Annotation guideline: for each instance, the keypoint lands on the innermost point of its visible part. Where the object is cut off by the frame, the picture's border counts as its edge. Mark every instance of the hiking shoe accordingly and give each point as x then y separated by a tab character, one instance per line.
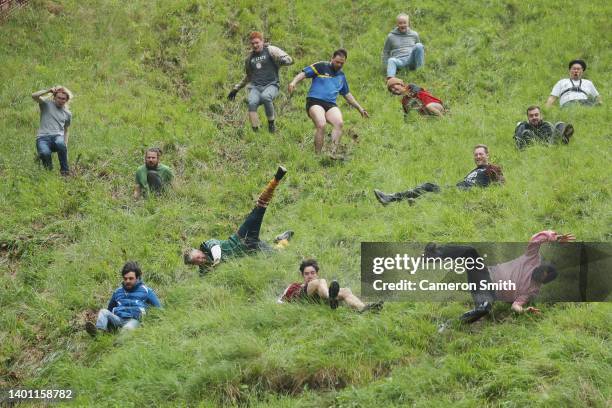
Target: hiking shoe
91	329
280	173
334	289
373	307
382	198
567	133
476	314
271	127
285	235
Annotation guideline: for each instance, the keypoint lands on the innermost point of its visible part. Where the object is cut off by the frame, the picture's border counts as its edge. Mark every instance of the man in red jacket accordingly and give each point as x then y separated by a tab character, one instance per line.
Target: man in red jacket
415	97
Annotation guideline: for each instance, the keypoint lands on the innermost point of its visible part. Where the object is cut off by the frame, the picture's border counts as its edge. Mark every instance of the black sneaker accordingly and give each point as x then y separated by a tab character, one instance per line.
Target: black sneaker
567	133
91	329
382	198
334	289
280	173
373	307
271	127
476	314
285	235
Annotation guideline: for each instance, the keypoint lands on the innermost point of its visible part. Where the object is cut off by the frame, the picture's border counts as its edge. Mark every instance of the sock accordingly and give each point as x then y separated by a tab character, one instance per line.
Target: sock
266	195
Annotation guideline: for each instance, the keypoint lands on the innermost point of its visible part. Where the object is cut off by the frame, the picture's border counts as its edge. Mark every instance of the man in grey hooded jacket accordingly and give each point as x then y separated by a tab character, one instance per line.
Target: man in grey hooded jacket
403	48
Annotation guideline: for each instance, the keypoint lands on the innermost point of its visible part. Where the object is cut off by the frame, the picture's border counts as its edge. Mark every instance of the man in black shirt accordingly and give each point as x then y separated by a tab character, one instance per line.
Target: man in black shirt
537	129
483	175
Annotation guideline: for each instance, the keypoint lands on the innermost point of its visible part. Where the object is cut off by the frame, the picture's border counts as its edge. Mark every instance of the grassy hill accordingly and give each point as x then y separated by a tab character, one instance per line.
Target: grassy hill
157	73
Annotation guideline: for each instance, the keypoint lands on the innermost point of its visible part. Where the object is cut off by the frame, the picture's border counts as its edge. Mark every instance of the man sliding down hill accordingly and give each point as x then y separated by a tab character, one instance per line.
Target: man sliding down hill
315	289
245	240
527	272
328	81
127	305
415	97
483	175
261	75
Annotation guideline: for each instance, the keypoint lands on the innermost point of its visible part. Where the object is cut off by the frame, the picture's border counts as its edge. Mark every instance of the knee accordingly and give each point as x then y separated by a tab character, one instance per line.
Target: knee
60	146
419	47
344	293
253	105
266	98
320	125
103	313
339	125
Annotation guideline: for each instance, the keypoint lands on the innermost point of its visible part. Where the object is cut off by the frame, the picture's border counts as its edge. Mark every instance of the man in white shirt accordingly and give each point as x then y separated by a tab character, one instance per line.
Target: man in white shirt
574	89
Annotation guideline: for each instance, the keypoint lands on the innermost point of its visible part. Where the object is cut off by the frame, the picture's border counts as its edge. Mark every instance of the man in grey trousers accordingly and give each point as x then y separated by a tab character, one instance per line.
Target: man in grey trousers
261	75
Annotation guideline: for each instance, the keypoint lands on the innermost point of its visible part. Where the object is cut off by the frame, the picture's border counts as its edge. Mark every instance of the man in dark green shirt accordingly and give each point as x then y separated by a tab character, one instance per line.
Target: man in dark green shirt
537	129
243	241
152	176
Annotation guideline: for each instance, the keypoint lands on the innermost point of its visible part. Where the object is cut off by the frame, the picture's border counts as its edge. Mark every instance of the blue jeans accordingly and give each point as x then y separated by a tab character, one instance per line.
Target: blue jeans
415	60
108	321
45	145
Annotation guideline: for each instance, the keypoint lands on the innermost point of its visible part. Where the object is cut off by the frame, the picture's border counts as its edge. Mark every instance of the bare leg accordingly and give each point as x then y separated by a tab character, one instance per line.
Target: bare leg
254	119
353	301
317	114
435	108
334	116
318	287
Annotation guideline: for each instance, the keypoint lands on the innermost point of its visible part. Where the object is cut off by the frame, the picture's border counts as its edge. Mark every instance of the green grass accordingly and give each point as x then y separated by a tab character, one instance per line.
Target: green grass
157	73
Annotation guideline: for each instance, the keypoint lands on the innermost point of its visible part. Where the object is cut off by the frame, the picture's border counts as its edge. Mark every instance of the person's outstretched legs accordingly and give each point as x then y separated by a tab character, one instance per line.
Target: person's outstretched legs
483	299
409	195
249	230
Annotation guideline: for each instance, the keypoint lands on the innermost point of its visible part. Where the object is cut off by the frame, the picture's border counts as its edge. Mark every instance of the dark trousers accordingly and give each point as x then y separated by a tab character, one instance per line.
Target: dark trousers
249	230
418	191
45	145
154	181
474	274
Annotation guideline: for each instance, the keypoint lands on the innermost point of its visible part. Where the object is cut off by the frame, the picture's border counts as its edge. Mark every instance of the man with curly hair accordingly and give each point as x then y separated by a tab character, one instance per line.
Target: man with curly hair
482	176
55	118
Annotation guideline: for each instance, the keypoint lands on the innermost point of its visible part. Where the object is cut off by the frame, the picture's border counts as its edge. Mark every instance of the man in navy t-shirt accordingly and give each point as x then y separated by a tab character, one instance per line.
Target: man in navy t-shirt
328	81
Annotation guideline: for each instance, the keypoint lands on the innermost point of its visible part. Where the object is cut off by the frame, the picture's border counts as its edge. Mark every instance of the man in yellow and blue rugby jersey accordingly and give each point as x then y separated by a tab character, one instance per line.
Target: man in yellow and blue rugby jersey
328	81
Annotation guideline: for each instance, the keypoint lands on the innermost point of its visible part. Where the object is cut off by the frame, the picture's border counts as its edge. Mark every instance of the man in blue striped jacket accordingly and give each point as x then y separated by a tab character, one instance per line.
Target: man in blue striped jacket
127	305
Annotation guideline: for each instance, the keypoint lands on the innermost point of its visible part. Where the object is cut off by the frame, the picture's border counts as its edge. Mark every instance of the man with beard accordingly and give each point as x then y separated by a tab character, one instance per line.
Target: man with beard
152	176
328	81
127	305
575	89
536	129
261	75
482	176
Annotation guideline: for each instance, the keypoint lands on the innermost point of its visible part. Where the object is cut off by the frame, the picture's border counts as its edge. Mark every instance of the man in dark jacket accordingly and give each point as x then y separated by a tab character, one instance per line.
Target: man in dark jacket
127	305
245	240
261	75
536	129
483	175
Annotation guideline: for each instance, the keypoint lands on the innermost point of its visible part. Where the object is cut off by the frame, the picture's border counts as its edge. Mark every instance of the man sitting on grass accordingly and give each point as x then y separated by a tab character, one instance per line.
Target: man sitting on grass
527	272
315	289
536	129
483	175
245	240
152	176
127	305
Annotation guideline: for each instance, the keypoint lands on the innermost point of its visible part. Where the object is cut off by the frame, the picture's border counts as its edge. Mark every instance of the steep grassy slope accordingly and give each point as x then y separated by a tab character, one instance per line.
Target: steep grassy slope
156	73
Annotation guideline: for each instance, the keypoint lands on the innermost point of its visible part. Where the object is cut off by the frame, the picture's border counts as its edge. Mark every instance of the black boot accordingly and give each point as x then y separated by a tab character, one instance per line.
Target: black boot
280	173
334	289
271	126
385	199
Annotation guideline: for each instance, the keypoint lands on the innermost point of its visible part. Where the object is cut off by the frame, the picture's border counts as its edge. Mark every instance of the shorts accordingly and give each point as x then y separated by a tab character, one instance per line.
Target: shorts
324	104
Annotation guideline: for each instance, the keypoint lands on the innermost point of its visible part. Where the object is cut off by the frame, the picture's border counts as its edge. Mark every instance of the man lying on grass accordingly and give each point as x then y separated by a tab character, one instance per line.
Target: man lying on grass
483	175
127	305
315	289
245	240
535	129
417	98
528	273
